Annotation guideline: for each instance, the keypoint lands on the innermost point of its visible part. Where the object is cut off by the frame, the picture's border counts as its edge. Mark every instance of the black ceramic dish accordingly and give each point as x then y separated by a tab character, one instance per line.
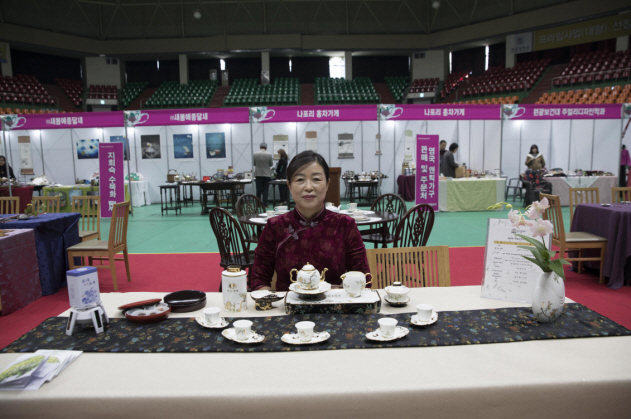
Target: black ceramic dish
185	301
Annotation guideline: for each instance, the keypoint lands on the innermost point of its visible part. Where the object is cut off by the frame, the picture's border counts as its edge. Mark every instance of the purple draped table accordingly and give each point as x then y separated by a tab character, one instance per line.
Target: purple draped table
25	193
613	223
19	272
406	187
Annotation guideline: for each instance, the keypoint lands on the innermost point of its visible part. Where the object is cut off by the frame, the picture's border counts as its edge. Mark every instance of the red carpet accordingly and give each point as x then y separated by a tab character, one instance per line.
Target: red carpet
201	271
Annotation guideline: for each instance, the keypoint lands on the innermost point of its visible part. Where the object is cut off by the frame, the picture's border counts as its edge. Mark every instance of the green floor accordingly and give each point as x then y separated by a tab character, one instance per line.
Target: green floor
190	232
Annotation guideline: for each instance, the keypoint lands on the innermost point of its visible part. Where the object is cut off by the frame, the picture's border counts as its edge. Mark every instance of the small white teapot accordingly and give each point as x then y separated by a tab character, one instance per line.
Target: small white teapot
355	283
331	207
398	292
308	278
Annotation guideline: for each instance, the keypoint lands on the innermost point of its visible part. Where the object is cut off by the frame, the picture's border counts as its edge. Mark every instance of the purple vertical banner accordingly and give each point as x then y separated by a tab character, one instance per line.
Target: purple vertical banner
427	170
111	177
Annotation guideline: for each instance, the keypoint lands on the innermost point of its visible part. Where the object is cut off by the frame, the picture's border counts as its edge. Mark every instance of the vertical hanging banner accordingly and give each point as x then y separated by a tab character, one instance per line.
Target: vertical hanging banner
427	158
111	177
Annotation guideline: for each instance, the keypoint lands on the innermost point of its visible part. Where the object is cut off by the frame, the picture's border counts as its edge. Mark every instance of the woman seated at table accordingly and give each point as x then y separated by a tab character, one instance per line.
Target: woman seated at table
535	160
5	170
309	233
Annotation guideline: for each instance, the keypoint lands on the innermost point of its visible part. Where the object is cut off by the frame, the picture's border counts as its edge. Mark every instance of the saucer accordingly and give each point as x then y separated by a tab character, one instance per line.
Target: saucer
360	219
230	335
265	215
397	303
259	220
399	332
201	320
416	322
294	339
324	287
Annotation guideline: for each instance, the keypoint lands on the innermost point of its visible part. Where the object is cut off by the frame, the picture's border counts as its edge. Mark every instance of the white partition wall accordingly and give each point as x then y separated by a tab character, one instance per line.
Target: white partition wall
606	146
387	158
511	144
13	152
246	138
155	170
559	157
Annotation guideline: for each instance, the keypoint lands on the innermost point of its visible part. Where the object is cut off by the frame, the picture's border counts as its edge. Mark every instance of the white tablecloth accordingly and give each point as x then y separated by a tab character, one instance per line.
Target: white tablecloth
577	378
140	193
561	186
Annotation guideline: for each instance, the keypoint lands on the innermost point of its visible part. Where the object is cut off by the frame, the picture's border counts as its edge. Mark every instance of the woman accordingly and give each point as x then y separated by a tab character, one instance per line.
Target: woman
5	170
310	233
625	161
535	160
281	173
448	163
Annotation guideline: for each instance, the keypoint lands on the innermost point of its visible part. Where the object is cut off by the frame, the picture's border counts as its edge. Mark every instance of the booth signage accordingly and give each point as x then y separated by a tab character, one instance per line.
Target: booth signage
111	177
438	112
427	170
602	111
264	114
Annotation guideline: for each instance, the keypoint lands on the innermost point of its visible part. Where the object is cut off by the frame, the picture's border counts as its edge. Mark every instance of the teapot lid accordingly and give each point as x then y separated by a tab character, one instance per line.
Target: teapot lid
397	288
234	270
308	267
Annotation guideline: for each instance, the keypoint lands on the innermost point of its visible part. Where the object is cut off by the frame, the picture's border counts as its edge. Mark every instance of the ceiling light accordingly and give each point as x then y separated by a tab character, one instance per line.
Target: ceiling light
197	14
436	4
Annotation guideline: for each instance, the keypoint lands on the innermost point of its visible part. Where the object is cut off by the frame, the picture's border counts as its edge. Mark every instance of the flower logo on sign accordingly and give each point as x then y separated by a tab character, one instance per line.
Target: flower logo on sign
512	111
386	112
133	118
261	114
10	122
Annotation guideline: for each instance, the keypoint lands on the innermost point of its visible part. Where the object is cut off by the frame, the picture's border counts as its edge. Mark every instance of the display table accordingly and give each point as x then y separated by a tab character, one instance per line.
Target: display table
19	272
470	194
54	233
140	193
24	192
552	378
406	186
614	224
561	186
84	191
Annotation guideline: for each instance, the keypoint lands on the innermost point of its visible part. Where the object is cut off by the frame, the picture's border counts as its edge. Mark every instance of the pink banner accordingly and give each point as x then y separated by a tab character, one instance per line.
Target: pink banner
439	112
265	114
69	120
201	116
603	111
427	170
111	177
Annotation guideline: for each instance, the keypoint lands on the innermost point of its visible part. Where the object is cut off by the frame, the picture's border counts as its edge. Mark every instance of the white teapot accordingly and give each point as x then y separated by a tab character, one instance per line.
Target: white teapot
355	283
331	207
398	292
308	278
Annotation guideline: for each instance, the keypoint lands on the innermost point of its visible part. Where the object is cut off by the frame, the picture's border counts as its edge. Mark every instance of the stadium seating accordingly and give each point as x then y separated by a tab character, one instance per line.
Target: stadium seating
498	80
24	90
102	92
247	92
452	83
507	100
594	67
131	92
397	86
172	94
598	95
73	89
340	91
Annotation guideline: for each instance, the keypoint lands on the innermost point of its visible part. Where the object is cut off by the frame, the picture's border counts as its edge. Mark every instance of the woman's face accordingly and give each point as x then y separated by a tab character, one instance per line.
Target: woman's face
534	150
308	188
2	161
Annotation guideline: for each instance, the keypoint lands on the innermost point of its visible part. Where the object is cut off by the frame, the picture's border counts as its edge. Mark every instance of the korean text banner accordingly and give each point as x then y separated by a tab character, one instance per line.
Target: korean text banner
438	112
583	32
602	111
69	120
266	114
201	116
111	177
427	159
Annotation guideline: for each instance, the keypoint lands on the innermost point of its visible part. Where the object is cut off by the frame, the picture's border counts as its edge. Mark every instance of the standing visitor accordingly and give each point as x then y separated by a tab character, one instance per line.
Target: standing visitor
263	163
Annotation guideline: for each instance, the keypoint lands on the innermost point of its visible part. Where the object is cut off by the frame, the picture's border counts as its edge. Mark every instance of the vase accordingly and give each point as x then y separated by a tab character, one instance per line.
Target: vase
548	297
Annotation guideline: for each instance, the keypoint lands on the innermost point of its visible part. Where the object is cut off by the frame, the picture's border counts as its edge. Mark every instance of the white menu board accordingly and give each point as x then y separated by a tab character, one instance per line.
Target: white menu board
507	275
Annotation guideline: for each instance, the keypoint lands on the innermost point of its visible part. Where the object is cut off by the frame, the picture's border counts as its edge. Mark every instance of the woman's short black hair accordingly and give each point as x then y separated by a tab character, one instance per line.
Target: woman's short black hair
453	147
304	158
533	146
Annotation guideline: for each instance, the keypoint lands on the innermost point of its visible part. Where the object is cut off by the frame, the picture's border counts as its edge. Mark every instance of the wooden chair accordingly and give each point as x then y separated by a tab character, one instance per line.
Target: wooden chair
391	203
413	266
49	204
233	249
89	207
9	205
582	196
619	195
573	241
107	249
415	227
249	205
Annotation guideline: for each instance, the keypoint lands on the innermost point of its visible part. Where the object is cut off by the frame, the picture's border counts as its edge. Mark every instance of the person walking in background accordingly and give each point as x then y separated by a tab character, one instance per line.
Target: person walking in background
448	164
263	162
625	161
443	150
281	173
535	160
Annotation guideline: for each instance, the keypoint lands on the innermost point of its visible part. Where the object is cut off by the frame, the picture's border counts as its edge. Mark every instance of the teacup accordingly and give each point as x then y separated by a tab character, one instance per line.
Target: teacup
355	283
387	326
270	213
358	214
305	331
281	208
211	315
243	329
424	312
352	206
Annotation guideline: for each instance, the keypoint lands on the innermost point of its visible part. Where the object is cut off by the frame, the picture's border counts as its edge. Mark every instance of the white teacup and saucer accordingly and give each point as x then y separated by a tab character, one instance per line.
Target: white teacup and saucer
388	330
211	319
305	335
425	315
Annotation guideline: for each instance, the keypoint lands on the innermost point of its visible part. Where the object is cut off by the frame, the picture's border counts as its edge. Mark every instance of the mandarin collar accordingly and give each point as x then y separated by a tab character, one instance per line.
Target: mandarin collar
315	220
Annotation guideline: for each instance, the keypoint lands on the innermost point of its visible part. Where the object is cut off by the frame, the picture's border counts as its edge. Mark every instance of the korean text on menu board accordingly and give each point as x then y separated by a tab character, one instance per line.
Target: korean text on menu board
111	177
427	159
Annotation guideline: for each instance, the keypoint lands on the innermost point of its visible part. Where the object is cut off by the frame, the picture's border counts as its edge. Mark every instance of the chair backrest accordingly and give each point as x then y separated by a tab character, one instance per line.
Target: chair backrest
516	180
229	236
89	207
391	203
619	195
554	215
47	204
9	205
118	225
249	205
413	266
415	227
582	196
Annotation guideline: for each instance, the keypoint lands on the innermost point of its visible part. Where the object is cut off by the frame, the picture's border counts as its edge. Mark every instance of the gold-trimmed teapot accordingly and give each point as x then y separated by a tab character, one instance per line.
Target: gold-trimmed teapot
308	278
355	283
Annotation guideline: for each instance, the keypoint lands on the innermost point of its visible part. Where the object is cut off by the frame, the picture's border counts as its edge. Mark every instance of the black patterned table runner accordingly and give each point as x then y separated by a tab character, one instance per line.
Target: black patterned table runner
347	332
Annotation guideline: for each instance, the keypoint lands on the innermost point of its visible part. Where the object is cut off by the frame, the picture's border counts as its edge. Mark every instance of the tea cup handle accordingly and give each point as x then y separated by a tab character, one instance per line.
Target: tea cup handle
291	273
369	282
